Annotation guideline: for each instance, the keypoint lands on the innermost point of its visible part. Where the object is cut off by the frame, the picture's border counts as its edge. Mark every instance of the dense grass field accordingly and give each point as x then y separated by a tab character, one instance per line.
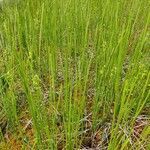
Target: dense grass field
75	75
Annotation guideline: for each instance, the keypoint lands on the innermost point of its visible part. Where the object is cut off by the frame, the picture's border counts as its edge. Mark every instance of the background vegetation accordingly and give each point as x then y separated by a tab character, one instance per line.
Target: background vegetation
75	74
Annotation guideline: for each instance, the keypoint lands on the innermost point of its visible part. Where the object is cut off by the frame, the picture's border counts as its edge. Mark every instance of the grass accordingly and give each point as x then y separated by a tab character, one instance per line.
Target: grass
75	74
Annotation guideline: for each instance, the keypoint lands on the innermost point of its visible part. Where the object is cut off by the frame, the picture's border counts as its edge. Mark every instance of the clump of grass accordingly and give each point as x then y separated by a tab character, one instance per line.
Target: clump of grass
78	68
